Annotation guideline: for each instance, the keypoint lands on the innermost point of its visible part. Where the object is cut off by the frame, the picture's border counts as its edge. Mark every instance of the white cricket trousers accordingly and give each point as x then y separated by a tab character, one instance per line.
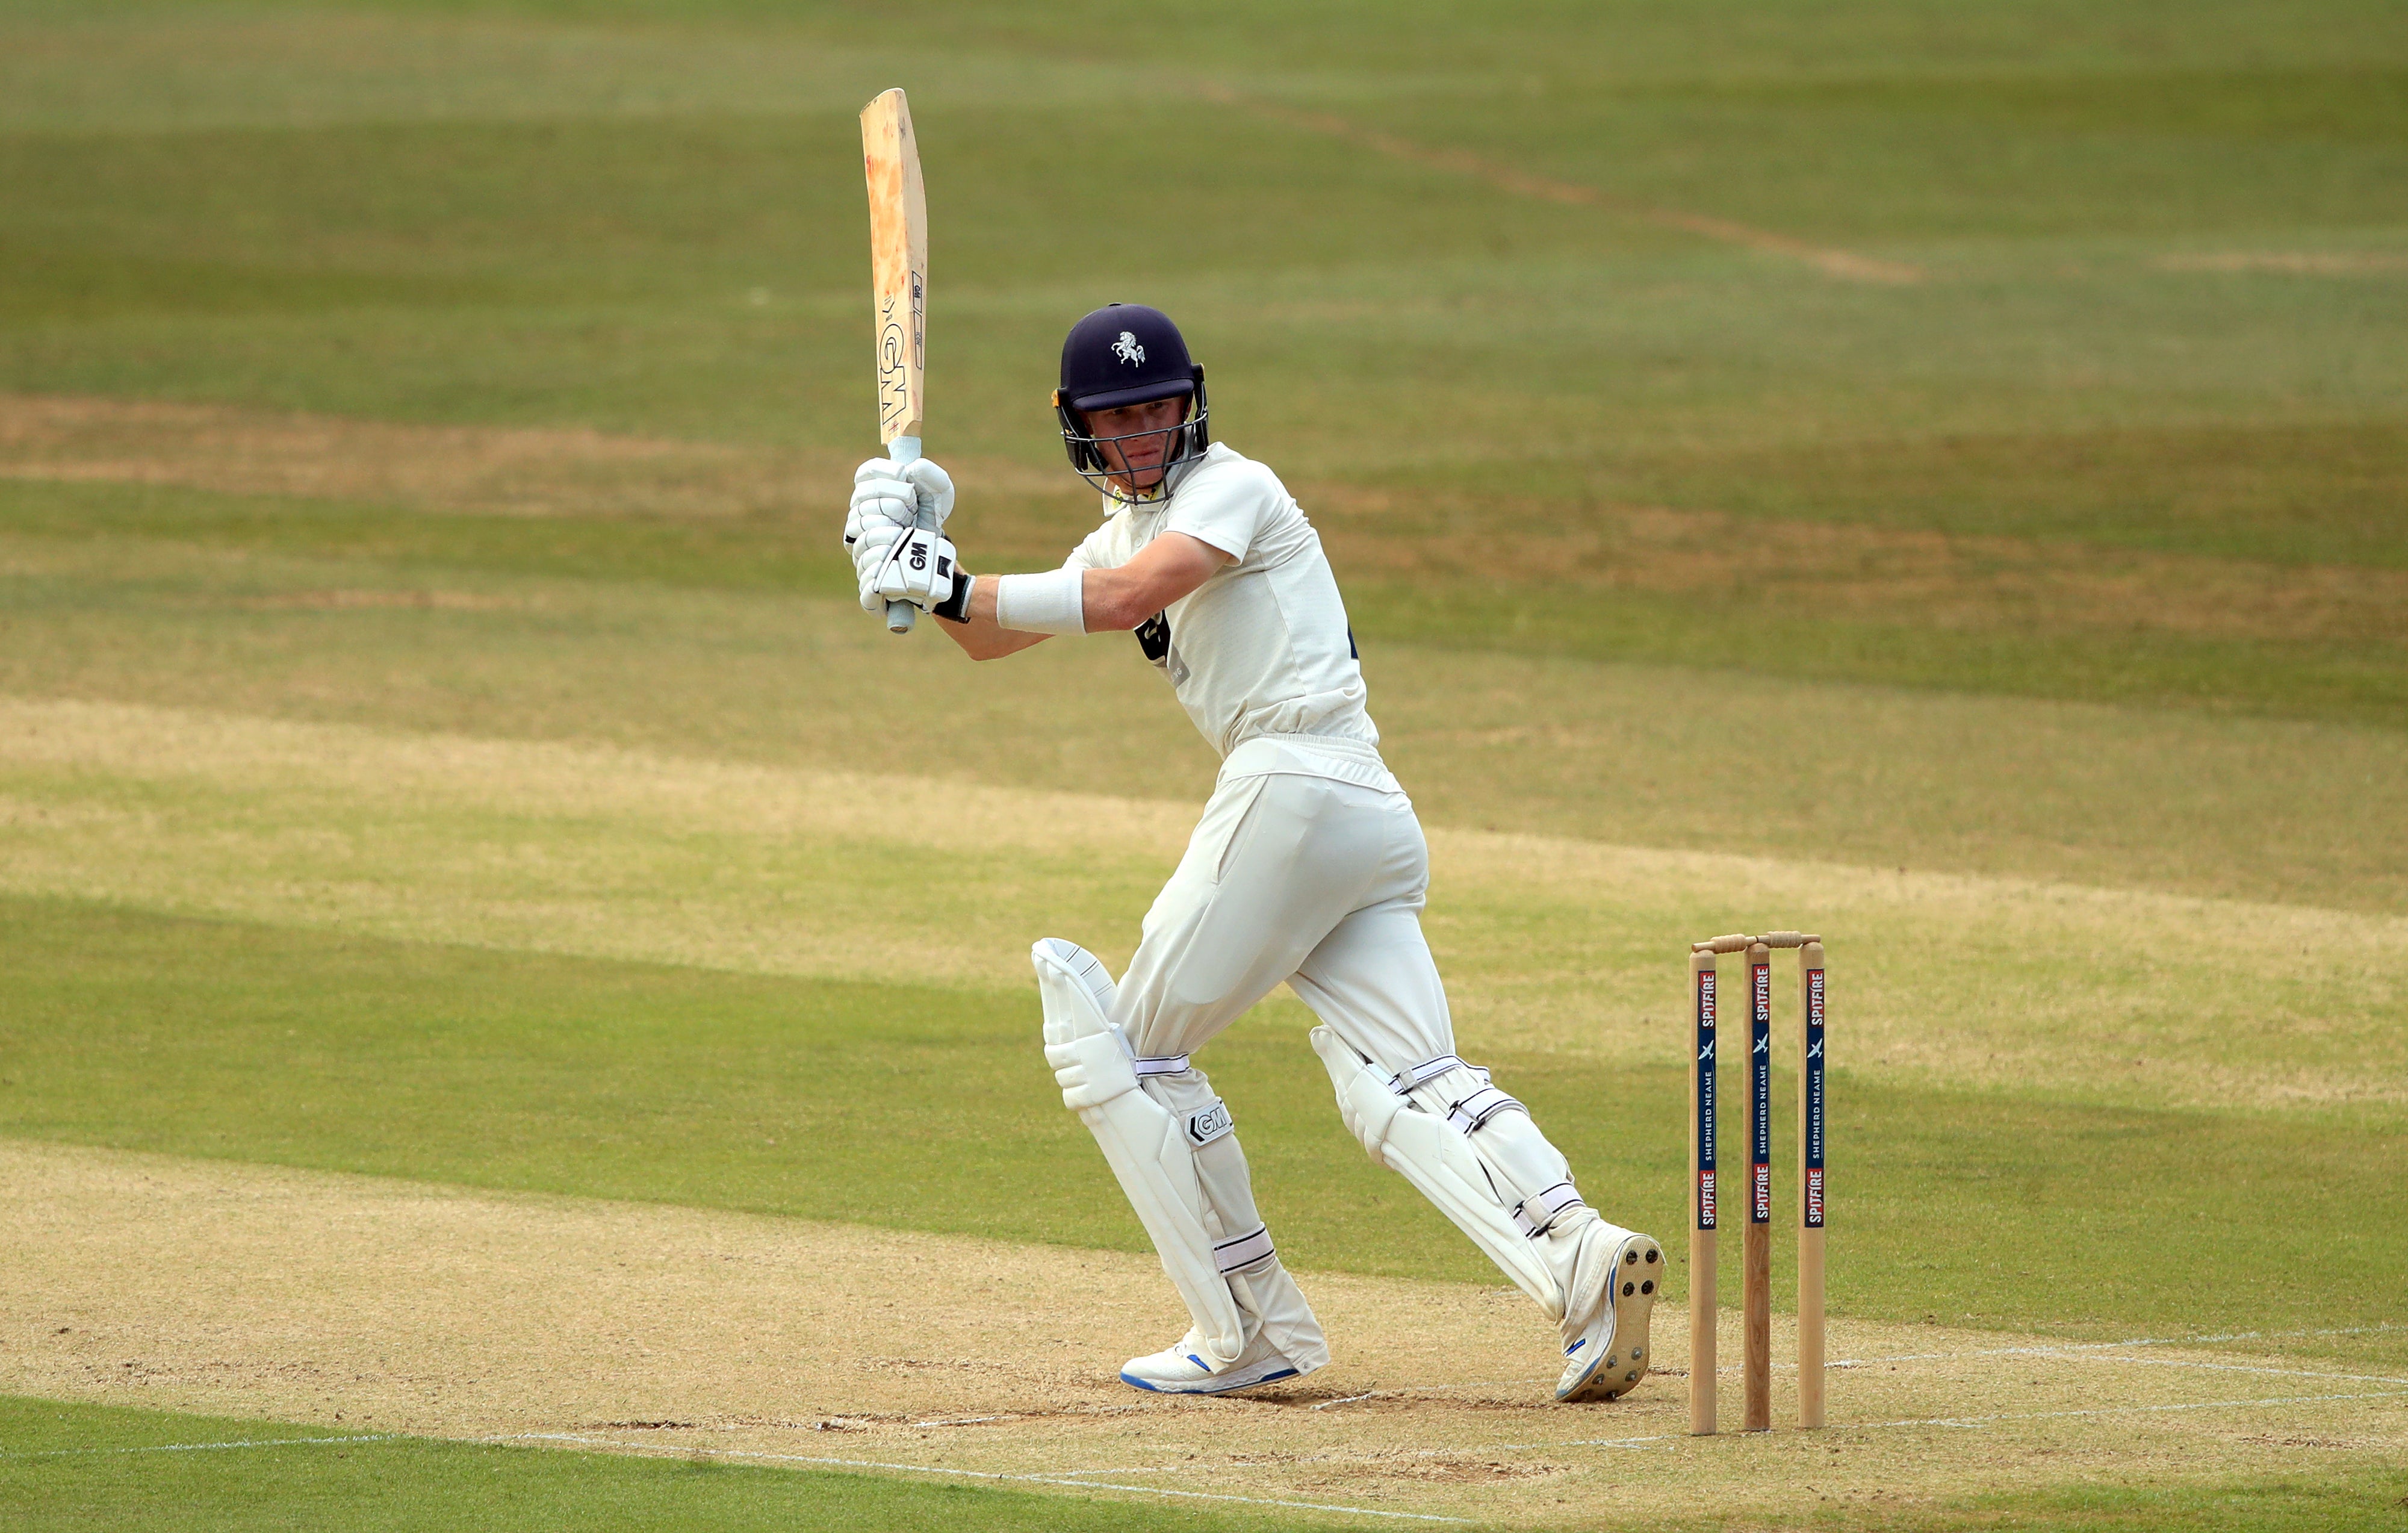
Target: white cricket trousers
1309	880
1318	881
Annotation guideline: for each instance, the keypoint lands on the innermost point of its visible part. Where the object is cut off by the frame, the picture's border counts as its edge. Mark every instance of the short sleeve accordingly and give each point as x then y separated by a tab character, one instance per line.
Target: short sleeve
1226	510
1091	553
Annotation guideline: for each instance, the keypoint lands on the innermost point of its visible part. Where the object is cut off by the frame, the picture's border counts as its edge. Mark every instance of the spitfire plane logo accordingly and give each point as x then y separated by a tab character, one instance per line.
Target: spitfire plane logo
1129	351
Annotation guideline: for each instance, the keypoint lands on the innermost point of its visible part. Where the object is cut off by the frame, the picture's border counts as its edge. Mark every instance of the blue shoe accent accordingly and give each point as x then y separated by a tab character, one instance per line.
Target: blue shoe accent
1576	1346
1151	1374
1584	1375
1135	1382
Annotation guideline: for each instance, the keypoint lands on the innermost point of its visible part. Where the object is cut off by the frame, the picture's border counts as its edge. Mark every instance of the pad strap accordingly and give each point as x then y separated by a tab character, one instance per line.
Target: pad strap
1243	1251
1159	1064
1471	1112
1536	1214
1430	1070
1476	1109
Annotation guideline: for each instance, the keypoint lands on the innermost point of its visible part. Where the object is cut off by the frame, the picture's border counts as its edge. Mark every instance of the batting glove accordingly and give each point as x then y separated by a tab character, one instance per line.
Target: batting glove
894	529
933	489
919	491
879	491
871	539
896	563
919	567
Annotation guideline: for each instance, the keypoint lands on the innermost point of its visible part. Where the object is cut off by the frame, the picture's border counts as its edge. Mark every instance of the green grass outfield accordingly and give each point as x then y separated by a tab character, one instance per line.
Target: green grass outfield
2157	305
1975	442
65	1467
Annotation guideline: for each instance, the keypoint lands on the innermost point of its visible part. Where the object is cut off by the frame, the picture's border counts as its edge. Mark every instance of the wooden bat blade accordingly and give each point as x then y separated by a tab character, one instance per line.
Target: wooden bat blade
898	263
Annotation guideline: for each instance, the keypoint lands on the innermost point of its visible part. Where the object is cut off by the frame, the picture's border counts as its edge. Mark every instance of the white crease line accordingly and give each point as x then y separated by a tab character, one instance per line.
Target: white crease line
2252	1368
2134	1410
1348	1399
201	1447
972	1474
2097	1353
1975	1422
2070	1347
2251	1336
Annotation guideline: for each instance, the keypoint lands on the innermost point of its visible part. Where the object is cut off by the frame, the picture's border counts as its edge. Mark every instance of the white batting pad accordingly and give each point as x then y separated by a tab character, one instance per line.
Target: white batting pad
1266	1294
1437	1157
1144	1143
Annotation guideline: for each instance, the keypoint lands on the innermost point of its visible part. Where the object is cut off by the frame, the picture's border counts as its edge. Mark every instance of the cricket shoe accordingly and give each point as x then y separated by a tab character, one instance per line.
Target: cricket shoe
1182	1370
1613	1294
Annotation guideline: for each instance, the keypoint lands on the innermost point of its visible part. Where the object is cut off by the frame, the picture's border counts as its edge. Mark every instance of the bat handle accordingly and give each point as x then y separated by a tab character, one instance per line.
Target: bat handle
899	614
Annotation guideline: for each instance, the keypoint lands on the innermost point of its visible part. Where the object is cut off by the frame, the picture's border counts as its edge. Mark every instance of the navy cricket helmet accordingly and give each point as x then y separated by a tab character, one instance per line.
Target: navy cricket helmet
1126	354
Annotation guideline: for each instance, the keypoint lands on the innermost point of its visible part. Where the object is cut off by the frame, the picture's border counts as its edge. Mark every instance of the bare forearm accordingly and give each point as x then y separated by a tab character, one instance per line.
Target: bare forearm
1112	597
1170	568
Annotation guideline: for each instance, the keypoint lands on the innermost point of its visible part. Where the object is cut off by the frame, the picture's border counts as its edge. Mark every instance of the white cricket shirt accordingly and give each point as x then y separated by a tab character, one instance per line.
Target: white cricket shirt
1261	648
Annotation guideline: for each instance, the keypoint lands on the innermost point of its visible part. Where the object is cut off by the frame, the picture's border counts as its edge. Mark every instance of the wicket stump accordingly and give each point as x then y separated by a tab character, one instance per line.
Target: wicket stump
1757	1239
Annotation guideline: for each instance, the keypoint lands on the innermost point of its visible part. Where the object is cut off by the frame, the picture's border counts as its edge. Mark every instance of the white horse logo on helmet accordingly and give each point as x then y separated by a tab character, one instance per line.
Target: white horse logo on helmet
1129	351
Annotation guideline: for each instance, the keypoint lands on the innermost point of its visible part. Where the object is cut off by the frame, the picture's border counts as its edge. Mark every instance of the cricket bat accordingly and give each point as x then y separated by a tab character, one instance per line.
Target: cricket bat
898	280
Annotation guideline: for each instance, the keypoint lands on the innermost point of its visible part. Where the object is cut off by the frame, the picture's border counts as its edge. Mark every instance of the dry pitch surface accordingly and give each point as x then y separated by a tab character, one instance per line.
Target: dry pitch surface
360	1304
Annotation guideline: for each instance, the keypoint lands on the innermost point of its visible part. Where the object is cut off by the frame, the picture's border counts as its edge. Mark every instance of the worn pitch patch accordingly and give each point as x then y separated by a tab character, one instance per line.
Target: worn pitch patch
383	1305
1842	569
494	471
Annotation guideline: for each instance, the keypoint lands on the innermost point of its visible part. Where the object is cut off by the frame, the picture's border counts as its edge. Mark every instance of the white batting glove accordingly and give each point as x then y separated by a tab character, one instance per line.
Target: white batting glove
932	488
919	491
919	567
894	529
871	539
880	491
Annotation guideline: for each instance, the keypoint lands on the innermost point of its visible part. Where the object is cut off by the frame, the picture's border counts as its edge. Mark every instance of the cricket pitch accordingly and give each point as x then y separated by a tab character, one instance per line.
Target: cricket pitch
365	1304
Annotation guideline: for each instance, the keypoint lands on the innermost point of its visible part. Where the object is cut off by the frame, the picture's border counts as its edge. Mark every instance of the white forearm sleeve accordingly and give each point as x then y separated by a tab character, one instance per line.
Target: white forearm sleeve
1052	603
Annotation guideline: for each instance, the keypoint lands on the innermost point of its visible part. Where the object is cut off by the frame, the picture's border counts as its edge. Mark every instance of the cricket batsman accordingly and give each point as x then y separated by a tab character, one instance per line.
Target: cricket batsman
1308	867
